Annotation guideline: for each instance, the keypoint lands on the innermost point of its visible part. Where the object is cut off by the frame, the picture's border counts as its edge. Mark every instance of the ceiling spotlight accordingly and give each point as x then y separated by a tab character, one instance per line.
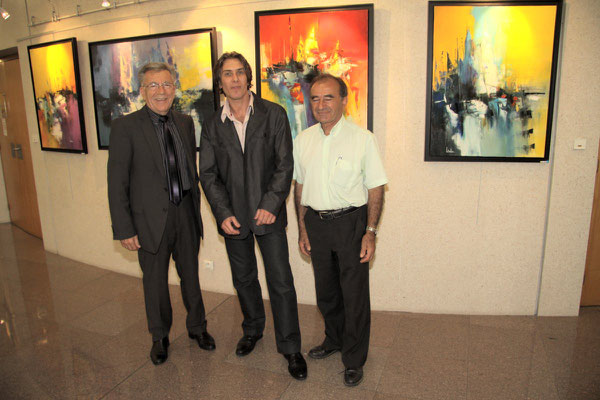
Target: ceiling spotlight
105	3
5	14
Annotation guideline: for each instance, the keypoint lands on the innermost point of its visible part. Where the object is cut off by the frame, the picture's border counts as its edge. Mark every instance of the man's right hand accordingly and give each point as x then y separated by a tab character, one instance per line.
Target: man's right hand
231	226
131	244
304	243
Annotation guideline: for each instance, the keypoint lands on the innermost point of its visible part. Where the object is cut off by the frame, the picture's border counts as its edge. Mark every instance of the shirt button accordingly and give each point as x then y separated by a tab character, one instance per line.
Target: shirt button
164	209
165	189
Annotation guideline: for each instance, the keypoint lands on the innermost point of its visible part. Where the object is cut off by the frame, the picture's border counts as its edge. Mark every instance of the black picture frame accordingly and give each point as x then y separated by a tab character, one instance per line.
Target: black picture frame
199	98
54	68
504	122
286	80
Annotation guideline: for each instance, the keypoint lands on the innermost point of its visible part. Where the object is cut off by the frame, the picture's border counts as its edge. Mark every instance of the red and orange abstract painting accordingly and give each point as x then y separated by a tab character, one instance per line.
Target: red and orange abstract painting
293	46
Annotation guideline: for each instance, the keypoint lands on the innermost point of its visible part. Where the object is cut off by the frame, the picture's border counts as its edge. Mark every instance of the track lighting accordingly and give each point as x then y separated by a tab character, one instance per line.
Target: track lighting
105	3
5	14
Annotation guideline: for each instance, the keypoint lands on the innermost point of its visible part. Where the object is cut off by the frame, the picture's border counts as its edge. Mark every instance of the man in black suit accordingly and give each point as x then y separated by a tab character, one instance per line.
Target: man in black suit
155	204
246	169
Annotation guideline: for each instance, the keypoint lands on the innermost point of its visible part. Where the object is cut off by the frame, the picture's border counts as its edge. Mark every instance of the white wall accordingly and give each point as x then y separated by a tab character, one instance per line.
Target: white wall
572	185
472	238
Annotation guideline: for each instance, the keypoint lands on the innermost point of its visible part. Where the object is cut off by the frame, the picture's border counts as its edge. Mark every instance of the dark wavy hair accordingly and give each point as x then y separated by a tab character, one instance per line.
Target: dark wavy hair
218	69
340	81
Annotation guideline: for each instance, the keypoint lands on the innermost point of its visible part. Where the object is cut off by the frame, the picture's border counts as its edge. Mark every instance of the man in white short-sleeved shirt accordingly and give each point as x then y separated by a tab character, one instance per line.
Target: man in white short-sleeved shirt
338	195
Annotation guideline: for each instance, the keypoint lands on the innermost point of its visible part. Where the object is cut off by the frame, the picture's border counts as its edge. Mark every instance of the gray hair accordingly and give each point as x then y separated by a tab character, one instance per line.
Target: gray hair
155	66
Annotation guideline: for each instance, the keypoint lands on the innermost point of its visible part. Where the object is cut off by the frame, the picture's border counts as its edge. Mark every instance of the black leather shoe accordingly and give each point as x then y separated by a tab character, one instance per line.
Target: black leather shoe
296	366
353	376
246	344
321	352
205	340
159	352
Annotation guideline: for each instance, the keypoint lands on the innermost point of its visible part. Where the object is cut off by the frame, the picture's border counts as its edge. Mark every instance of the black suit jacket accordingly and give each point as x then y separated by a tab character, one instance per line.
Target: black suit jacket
238	183
137	186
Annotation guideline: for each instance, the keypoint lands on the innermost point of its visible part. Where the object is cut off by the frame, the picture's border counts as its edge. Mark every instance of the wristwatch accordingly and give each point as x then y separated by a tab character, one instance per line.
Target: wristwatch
371	229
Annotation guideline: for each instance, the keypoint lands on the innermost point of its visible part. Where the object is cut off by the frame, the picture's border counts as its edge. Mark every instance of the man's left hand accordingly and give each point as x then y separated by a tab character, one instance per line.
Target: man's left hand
263	217
367	247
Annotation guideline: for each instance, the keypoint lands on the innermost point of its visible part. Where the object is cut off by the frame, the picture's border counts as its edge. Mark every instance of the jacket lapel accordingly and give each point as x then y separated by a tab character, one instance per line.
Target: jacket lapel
257	117
150	136
189	148
228	132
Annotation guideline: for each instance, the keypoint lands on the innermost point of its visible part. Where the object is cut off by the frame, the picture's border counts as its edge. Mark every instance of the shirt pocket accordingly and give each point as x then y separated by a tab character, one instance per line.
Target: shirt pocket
344	175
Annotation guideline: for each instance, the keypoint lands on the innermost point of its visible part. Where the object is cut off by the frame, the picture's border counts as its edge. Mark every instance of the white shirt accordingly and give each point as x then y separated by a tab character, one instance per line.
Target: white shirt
240	126
338	169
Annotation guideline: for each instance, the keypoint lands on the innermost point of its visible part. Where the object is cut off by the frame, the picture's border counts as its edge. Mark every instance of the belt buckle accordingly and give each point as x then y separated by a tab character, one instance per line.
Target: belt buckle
323	214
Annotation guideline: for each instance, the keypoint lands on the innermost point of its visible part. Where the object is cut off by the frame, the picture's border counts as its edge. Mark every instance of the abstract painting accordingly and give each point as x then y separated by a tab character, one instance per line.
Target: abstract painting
293	46
115	65
491	78
57	92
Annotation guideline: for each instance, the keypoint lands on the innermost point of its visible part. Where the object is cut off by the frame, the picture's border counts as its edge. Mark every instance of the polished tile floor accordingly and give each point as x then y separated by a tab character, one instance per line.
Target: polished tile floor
70	330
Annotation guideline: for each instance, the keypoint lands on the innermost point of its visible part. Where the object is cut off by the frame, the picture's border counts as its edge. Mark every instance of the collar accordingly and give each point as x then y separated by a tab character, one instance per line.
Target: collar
154	116
336	128
226	113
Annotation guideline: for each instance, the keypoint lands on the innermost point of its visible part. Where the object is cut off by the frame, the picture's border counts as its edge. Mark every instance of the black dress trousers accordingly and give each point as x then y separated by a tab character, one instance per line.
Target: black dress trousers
342	283
181	239
280	284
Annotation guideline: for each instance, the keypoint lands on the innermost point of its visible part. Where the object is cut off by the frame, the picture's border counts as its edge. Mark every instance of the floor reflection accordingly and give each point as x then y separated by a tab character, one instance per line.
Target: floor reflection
71	330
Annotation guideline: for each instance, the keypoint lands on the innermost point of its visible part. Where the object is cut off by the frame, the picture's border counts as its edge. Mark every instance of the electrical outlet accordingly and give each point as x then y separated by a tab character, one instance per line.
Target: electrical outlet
208	264
579	144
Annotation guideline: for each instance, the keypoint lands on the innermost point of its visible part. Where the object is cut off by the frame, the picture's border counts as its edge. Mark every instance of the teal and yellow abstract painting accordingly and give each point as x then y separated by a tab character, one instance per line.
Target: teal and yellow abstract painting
115	65
491	80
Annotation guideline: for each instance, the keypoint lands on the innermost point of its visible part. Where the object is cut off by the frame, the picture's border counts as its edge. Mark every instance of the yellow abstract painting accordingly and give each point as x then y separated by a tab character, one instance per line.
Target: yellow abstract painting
54	72
491	79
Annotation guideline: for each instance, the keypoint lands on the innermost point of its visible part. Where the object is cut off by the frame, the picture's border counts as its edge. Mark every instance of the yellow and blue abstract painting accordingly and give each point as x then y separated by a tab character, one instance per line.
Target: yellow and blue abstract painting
491	81
115	65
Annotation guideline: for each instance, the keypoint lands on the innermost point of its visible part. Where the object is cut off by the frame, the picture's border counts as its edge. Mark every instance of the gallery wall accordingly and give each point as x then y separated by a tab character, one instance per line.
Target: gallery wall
476	238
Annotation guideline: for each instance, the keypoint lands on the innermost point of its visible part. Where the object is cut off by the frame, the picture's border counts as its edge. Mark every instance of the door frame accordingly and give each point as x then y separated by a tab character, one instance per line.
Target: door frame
11	54
594	228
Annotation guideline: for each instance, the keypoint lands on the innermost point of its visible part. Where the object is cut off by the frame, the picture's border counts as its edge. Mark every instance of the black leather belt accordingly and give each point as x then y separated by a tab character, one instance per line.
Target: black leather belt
332	214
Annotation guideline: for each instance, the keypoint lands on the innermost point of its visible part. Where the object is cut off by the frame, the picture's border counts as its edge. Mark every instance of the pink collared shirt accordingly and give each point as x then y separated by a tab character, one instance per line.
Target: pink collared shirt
240	127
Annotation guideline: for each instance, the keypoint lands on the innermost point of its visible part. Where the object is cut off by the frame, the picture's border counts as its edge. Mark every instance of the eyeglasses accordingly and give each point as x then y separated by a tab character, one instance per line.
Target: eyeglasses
155	86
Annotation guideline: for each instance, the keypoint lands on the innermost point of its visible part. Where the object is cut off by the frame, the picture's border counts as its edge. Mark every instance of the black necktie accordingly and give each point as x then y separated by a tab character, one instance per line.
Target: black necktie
173	179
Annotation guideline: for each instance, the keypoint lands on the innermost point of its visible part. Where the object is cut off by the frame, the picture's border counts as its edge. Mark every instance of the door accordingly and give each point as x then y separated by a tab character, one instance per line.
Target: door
590	294
15	151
